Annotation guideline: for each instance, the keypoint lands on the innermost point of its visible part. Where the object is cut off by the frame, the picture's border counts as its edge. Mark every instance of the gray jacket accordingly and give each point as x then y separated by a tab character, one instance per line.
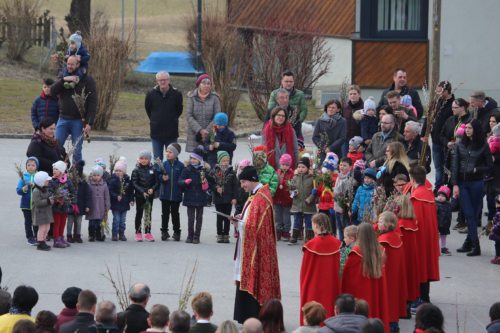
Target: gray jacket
100	203
42	209
336	130
344	323
200	115
304	185
376	149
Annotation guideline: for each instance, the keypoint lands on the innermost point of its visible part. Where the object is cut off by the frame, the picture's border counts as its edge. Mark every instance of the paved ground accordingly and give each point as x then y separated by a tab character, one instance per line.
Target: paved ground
467	288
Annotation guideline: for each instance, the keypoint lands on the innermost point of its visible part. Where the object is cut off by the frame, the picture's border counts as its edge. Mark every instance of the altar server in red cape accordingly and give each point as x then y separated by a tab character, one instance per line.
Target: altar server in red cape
256	268
395	268
363	275
409	228
319	273
425	209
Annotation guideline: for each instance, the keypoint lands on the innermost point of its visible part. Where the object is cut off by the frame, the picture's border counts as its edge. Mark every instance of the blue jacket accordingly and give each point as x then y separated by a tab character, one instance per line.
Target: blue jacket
83	196
126	190
227	143
26	196
193	194
82	70
362	200
44	107
169	190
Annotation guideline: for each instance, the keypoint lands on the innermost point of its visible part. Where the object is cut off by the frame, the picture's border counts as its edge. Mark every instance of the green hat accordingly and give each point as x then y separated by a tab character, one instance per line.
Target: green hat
221	154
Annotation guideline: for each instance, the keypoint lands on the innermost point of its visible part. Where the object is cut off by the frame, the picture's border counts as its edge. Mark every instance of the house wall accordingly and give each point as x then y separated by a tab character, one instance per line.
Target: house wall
470	46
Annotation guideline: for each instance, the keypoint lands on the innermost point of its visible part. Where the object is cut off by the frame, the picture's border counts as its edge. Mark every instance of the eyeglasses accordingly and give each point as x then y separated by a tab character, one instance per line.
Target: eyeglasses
206	82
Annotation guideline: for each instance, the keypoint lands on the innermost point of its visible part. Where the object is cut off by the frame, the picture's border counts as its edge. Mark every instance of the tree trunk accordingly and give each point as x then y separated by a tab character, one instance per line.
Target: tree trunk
79	17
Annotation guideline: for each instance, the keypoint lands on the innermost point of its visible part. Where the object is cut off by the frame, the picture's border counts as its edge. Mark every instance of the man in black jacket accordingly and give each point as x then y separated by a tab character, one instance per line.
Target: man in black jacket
86	306
413	144
164	107
400	85
135	318
483	108
71	122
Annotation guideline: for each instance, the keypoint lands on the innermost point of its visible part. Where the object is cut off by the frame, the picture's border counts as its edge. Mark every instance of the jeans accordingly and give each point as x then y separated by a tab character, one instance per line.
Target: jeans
297	221
170	208
159	146
342	222
74	226
119	219
30	229
438	159
194	212
282	218
471	197
73	127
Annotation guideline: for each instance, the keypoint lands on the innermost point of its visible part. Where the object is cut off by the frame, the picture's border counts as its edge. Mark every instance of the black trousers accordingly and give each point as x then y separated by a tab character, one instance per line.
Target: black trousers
170	208
139	211
223	222
245	306
30	229
194	212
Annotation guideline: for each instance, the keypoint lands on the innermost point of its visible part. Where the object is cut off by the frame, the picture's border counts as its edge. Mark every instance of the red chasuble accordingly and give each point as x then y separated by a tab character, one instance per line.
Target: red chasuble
395	270
259	259
374	291
427	235
319	273
409	231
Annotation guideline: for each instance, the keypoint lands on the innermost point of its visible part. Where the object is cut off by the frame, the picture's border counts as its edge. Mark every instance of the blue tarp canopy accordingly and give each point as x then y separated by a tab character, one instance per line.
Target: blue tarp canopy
172	62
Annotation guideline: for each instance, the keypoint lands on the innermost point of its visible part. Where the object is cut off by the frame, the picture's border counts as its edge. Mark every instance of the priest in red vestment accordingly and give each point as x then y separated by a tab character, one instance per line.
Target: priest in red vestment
425	209
319	273
256	260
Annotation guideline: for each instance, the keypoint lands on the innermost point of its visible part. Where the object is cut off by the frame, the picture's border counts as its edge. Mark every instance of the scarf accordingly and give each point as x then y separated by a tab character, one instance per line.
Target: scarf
62	179
48	140
284	135
16	310
331	120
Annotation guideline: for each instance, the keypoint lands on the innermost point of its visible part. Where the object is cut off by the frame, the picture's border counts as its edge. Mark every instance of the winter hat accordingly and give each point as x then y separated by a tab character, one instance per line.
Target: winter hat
249	173
360	164
201	78
197	154
97	170
286	159
120	166
33	158
70	297
172	147
406	100
221	154
331	161
460	132
300	143
221	119
260	152
305	162
307	155
76	38
356	142
60	165
244	163
100	162
41	177
369	105
445	190
371	173
146	154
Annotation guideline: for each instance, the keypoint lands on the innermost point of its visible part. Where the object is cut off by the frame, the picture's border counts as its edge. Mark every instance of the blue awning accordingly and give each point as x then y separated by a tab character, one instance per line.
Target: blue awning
172	62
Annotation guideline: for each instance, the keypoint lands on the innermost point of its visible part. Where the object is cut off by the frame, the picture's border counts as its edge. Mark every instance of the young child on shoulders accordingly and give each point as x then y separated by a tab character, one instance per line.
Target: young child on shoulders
63	193
121	192
193	182
170	193
369	123
202	306
224	185
361	204
444	216
145	182
303	205
350	237
42	208
78	49
407	102
356	149
45	105
267	174
344	193
25	187
221	139
83	202
99	206
282	202
158	319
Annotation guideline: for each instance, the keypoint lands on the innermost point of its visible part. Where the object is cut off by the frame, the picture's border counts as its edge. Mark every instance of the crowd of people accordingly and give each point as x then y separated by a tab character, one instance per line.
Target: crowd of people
366	177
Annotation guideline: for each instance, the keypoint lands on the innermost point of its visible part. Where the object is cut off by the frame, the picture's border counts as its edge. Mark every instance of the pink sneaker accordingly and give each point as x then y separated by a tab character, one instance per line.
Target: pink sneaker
138	237
149	237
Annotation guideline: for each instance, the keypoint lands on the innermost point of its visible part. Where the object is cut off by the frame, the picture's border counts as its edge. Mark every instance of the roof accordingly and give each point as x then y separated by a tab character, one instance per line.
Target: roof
322	17
172	62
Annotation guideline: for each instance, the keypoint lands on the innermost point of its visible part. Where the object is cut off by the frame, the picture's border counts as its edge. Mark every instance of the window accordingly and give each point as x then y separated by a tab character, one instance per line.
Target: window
394	19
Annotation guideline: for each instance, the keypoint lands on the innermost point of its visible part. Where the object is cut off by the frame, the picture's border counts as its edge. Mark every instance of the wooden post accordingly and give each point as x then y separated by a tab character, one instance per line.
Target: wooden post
436	47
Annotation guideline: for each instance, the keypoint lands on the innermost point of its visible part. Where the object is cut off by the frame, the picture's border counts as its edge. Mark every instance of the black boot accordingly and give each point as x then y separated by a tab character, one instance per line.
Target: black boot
309	235
466	247
476	249
295	235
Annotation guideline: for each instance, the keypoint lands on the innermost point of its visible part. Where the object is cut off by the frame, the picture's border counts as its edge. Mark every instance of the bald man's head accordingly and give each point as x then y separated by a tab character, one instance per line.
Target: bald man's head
72	64
139	293
252	325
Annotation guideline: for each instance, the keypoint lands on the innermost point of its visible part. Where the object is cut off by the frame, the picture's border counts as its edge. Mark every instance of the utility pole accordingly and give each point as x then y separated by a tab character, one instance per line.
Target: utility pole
436	47
135	30
198	39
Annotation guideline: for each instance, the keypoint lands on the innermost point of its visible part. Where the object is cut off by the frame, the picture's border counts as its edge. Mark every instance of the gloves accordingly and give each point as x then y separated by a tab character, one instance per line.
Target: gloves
76	210
188	181
380	172
314	191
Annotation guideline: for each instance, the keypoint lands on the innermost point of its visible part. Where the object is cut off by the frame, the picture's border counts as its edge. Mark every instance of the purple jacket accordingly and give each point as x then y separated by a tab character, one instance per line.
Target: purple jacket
100	203
495	231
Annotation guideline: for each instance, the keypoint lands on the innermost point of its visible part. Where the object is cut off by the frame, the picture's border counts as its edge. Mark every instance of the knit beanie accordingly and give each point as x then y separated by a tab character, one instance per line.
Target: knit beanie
286	159
120	166
371	173
249	173
197	154
331	161
369	105
146	154
243	164
360	164
260	152
97	171
201	78
221	119
60	165
40	178
445	190
76	38
100	161
305	162
172	148
221	154
33	158
356	142
406	100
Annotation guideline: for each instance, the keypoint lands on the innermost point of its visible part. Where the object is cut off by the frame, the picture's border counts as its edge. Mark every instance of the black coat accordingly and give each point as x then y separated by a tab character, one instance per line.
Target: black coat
414	152
447	133
415	98
134	318
387	179
230	186
83	196
352	126
227	143
144	178
444	217
193	194
203	328
67	106
116	189
470	163
80	324
163	111
46	153
484	114
443	112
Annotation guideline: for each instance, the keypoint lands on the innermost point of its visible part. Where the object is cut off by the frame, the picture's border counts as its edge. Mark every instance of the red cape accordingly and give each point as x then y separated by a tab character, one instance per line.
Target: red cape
259	260
319	273
424	206
409	231
374	291
395	270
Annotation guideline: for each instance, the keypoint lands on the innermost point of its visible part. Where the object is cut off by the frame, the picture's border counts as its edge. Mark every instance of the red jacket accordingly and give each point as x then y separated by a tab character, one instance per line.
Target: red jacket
355	155
282	195
325	195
